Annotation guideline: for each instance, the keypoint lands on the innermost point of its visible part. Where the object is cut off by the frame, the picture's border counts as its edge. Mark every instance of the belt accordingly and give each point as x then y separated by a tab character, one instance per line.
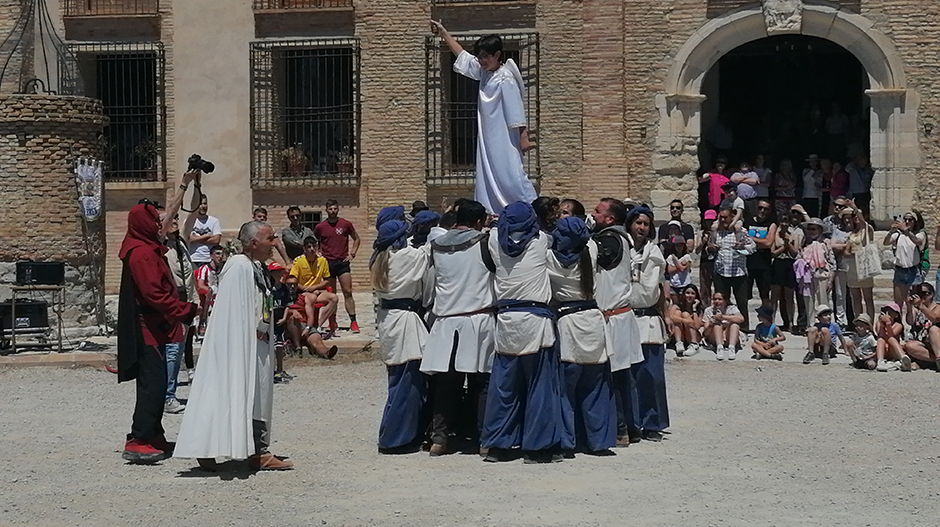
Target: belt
575	306
520	305
490	309
404	304
613	312
646	312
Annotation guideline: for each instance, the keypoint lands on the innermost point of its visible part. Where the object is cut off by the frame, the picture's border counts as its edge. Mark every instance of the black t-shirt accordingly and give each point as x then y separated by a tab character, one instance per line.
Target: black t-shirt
687	231
761	258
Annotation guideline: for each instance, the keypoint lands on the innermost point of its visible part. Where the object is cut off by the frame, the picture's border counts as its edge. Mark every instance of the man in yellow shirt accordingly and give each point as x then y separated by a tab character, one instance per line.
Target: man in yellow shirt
312	271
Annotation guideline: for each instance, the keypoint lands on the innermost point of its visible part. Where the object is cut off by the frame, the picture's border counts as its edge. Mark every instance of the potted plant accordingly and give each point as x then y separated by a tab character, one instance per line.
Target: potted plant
295	161
149	152
344	161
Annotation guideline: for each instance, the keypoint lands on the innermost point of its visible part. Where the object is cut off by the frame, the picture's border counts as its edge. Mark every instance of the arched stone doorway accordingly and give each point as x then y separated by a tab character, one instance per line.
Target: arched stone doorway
893	138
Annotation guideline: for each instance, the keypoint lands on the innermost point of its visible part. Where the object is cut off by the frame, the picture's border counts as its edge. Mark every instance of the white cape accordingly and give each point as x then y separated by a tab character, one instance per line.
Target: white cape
234	380
500	174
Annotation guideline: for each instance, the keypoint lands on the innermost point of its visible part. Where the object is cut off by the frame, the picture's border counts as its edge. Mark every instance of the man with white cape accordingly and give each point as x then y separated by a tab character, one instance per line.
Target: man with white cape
501	121
228	415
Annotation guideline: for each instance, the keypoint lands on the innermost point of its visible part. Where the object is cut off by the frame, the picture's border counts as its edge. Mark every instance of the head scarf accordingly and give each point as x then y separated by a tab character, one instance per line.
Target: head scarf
389	214
569	238
421	226
425	217
142	230
516	227
392	235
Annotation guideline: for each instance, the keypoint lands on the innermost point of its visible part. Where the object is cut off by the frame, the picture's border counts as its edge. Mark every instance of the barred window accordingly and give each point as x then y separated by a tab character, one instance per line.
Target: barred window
451	108
128	78
111	7
305	113
310	219
261	5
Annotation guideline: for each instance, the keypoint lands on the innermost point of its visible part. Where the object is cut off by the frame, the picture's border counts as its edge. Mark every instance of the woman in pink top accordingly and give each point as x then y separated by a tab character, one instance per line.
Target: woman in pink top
716	179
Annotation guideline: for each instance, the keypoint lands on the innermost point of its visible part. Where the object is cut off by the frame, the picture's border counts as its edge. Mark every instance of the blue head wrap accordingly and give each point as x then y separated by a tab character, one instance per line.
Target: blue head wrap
420	227
517	225
425	217
389	214
392	234
569	238
636	212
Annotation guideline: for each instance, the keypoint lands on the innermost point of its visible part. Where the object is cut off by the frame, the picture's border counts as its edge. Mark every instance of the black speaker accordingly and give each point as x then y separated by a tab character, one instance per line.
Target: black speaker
40	273
30	314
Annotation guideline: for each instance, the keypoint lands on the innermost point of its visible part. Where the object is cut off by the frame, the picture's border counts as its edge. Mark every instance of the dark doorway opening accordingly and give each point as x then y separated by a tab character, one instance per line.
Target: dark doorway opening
778	96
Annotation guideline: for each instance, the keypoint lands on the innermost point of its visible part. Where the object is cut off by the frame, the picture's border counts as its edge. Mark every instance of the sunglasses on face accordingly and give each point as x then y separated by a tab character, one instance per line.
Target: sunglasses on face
763	208
675	208
908	219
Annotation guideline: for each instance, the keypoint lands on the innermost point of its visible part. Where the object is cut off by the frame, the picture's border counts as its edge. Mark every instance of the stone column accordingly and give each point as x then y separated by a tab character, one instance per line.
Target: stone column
40	138
894	151
676	157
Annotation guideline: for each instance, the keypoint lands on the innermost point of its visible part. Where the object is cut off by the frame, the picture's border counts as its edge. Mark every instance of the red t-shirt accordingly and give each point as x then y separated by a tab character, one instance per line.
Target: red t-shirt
334	239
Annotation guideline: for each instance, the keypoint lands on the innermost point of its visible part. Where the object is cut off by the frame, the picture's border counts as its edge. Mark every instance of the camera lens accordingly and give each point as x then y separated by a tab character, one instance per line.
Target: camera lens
207	167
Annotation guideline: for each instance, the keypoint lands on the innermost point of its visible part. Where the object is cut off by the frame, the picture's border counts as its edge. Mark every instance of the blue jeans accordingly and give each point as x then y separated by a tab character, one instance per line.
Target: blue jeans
173	357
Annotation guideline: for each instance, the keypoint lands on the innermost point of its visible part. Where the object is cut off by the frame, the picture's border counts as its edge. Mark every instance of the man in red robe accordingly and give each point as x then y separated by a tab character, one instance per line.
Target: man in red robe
150	315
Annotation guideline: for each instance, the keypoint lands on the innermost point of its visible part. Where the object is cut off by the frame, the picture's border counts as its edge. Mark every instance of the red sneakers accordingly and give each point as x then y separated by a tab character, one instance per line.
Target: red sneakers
354	326
139	451
160	443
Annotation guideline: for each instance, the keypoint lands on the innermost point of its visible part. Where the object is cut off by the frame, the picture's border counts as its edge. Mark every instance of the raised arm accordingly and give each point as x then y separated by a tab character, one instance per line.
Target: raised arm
173	207
438	29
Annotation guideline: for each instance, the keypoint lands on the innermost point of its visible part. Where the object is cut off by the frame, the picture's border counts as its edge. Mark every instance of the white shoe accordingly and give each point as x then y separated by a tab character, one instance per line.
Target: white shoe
720	352
680	349
173	406
905	364
732	353
691	350
191	374
886	365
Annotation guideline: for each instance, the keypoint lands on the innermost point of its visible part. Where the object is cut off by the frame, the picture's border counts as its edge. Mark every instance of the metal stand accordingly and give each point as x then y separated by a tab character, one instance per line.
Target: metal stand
57	305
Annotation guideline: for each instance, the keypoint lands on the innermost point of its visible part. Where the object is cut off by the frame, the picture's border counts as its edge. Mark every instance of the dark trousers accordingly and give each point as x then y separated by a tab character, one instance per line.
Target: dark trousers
451	406
524	403
649	379
402	419
188	350
628	409
259	430
591	412
738	285
151	394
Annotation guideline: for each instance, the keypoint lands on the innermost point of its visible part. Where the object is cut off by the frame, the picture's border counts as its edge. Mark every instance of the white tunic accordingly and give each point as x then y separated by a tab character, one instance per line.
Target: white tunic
402	333
613	290
649	267
581	335
462	284
234	381
524	277
500	175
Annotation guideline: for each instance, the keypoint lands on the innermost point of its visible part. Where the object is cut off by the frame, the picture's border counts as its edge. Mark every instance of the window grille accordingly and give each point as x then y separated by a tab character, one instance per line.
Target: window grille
111	7
262	5
128	78
441	2
310	219
305	113
451	108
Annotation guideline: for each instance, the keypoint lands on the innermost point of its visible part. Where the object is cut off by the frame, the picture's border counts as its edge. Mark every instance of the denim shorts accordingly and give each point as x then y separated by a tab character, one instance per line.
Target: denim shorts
907	275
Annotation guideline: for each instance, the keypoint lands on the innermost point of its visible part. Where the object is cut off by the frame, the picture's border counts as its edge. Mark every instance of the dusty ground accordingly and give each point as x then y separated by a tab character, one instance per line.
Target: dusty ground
752	444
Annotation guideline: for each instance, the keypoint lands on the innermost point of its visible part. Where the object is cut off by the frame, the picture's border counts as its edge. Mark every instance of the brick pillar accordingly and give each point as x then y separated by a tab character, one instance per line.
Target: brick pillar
40	137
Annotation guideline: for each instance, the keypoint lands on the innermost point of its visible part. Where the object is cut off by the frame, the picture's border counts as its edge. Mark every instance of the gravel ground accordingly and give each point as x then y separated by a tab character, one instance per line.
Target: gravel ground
752	443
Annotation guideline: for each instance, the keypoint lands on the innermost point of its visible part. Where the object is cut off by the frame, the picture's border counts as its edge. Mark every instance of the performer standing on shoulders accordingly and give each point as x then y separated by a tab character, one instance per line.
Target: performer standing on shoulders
648	302
150	316
502	136
398	276
230	405
590	399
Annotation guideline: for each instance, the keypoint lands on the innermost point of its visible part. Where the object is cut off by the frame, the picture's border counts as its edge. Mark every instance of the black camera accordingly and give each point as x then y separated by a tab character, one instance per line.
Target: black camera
196	162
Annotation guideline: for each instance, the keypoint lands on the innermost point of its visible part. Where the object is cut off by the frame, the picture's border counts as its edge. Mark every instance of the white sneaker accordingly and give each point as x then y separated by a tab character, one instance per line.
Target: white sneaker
173	406
691	350
905	364
680	349
720	352
732	353
191	374
886	365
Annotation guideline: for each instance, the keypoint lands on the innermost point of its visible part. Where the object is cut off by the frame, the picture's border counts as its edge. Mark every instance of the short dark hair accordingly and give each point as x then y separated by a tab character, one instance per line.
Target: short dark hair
203	197
215	248
490	44
677	200
292	208
577	208
545	206
331	202
260	209
469	213
448	220
617	209
311	240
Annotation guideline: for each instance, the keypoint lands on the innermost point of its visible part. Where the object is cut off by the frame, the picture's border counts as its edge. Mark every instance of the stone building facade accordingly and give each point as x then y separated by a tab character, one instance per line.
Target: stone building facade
615	95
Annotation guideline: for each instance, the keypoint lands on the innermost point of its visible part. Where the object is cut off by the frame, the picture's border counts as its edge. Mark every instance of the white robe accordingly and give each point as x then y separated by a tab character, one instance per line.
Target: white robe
649	266
581	335
234	381
402	333
500	174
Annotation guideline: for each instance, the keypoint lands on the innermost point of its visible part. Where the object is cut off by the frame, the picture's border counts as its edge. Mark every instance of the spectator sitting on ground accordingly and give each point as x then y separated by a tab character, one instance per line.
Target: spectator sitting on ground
861	347
823	337
767	336
678	266
722	326
925	351
888	348
686	316
292	321
312	272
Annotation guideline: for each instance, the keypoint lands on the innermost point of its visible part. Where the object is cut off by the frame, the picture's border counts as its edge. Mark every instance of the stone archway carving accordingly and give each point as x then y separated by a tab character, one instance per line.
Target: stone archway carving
895	151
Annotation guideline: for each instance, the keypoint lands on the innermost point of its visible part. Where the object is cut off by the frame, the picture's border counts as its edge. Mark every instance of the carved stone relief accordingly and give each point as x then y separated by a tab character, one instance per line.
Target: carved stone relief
783	16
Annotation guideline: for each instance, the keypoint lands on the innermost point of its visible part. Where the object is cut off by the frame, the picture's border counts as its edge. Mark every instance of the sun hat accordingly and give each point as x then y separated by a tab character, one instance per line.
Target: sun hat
822	309
710	214
864	319
893	306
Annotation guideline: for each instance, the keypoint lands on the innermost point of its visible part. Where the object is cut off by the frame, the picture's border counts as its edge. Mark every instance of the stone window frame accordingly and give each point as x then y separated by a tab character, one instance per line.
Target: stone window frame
157	149
269	168
439	168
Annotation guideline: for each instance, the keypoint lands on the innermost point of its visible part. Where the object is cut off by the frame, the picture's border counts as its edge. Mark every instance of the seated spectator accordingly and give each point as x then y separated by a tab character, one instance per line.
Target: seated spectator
292	321
312	272
722	326
678	266
685	313
861	347
767	336
277	273
823	338
888	348
924	349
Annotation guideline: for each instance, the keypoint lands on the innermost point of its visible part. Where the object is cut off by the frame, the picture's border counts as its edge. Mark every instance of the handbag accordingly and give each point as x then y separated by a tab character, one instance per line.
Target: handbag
868	262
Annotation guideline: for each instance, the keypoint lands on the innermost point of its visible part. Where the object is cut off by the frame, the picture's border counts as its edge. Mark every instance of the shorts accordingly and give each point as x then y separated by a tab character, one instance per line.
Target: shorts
907	275
782	274
339	268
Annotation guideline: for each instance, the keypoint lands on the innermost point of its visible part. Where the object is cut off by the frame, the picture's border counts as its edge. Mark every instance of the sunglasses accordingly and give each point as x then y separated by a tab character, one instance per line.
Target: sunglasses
908	219
763	208
675	208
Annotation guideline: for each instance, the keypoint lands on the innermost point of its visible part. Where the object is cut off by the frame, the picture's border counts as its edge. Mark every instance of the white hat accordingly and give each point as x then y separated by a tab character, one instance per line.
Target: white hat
822	309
